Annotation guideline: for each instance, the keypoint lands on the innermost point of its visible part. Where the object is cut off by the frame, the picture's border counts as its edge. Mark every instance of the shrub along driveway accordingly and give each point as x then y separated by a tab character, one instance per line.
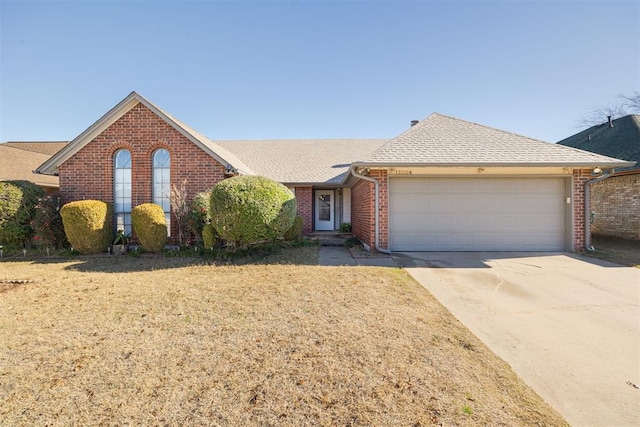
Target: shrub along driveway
148	341
568	325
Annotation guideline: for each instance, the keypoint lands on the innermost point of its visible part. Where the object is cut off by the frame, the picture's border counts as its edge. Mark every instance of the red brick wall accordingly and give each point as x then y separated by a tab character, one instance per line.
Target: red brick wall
579	178
88	174
304	196
363	209
616	203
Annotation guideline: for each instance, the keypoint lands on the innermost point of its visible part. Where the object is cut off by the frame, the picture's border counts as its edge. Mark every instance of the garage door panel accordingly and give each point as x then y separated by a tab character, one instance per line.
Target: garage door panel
476	214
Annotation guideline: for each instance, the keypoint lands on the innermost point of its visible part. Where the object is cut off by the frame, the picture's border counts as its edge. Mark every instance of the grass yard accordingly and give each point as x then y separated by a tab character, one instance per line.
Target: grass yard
164	341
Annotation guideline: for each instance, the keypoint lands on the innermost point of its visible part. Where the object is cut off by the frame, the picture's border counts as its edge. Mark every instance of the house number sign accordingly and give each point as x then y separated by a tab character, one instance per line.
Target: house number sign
400	171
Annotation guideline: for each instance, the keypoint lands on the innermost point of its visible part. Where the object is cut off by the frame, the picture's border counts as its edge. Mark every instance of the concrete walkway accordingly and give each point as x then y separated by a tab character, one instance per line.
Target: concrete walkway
568	326
339	255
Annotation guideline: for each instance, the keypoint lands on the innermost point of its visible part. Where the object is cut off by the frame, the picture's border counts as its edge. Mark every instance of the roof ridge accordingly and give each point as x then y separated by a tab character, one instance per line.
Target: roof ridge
300	139
491	128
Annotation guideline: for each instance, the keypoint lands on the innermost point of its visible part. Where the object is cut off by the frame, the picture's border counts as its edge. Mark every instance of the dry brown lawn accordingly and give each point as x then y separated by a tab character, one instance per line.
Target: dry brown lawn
167	341
613	249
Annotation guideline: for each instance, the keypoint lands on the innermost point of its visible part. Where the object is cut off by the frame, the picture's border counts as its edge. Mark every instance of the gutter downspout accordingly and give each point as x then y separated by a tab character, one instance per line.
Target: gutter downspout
587	209
377	208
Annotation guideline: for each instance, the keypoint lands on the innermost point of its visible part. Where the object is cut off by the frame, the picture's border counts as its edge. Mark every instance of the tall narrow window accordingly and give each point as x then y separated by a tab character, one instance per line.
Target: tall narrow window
162	182
122	190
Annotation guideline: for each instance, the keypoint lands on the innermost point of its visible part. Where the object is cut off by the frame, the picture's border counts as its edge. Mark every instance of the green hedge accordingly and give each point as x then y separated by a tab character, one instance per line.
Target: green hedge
295	232
199	215
17	208
87	225
150	226
209	236
251	209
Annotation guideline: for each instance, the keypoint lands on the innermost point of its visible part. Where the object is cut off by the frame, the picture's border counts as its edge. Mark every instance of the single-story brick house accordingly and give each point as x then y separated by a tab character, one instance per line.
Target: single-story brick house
615	201
444	184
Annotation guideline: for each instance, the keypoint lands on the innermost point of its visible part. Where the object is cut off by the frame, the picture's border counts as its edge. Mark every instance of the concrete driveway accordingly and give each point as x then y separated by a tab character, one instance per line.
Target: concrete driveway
568	325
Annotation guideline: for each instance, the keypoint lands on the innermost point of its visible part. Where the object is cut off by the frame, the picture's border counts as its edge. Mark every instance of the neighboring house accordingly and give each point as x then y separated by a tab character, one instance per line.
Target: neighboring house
444	184
18	160
615	201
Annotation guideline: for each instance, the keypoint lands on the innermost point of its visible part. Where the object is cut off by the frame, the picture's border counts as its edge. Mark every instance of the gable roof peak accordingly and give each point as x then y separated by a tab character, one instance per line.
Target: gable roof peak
220	154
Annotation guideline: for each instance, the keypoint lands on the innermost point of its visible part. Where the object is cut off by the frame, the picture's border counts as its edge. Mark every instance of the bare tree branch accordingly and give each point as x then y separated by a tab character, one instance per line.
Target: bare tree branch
626	104
180	209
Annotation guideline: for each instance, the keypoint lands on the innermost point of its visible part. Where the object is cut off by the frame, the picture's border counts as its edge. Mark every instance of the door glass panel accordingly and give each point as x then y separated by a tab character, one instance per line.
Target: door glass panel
324	208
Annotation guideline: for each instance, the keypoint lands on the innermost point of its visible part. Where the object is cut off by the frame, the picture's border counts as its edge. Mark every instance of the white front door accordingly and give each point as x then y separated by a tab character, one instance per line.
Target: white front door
324	209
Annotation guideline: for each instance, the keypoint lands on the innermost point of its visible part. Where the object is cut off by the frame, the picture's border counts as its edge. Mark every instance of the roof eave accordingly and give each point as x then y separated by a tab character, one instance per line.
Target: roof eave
576	165
50	167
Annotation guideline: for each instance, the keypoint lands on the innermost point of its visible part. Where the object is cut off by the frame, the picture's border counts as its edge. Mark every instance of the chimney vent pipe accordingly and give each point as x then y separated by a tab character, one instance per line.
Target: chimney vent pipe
610	122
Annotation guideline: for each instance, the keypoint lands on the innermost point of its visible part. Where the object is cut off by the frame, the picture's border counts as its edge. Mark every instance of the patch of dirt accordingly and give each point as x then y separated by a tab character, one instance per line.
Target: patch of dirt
614	249
359	251
173	341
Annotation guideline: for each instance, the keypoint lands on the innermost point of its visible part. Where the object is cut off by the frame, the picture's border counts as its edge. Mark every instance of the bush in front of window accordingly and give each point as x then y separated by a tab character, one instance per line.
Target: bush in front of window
87	225
295	232
47	222
209	236
199	215
150	226
251	209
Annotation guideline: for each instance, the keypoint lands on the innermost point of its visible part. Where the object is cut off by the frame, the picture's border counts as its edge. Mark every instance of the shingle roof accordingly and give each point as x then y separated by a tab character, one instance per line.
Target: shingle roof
215	147
19	164
621	141
441	140
302	160
45	147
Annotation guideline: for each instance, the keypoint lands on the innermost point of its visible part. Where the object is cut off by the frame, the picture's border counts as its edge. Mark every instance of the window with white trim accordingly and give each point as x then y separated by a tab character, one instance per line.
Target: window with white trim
122	190
162	183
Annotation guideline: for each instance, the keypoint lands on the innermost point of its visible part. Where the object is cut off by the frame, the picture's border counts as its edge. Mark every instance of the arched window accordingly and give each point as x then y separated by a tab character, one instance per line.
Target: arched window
162	182
122	190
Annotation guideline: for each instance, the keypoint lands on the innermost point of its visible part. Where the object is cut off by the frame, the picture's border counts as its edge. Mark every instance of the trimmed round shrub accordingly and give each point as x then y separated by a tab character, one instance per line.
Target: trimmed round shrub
150	226
87	225
295	232
17	206
251	209
209	236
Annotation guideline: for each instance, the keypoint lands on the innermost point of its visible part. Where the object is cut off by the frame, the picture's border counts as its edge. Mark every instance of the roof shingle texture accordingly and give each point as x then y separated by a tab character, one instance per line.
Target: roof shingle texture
45	147
19	164
443	140
621	141
302	160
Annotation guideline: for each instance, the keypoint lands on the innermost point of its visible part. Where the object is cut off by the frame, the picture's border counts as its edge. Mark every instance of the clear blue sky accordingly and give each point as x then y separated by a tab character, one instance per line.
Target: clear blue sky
315	69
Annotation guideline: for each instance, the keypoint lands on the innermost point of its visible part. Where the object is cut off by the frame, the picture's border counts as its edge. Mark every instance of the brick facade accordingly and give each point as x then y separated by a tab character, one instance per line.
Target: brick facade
88	174
363	209
616	204
580	177
304	196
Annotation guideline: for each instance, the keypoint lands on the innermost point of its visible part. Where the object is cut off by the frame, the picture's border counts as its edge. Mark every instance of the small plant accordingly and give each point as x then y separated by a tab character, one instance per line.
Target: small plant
467	410
345	227
121	242
351	242
122	238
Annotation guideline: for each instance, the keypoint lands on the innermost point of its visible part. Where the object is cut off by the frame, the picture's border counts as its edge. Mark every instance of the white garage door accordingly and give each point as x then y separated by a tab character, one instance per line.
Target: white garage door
477	214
